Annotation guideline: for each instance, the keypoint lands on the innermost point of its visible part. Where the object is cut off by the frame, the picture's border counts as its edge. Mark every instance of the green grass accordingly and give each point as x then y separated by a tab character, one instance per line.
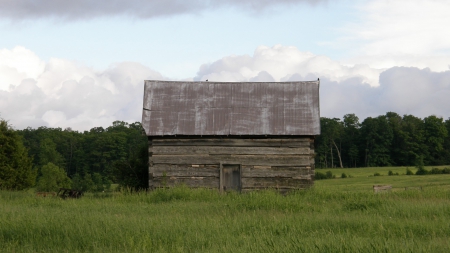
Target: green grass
337	215
363	179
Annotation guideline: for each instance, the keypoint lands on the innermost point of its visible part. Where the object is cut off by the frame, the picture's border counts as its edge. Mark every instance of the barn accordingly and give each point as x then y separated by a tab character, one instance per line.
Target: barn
240	136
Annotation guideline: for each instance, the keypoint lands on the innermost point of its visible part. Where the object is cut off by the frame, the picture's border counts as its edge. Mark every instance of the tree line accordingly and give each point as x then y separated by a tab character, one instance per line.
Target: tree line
94	159
386	140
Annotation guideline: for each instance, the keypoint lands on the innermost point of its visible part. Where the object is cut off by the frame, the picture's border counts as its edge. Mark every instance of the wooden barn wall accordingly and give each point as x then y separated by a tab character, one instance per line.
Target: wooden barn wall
281	163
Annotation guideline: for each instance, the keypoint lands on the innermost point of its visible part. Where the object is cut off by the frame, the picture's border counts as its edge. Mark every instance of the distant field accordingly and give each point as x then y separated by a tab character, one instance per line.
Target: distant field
337	215
362	179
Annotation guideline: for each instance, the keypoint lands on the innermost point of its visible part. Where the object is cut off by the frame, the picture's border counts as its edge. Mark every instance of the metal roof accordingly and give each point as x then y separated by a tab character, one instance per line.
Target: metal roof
225	108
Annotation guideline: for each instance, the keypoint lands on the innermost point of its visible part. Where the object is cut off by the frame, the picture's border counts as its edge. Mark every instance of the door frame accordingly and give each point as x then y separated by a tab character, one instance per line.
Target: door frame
221	174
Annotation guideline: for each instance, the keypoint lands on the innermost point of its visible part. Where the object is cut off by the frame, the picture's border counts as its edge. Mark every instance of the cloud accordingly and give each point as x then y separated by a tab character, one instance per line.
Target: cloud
281	63
18	64
66	94
404	90
82	9
344	89
401	33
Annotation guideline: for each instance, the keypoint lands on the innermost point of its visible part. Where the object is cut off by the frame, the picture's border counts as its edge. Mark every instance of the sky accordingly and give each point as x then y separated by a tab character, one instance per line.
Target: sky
82	64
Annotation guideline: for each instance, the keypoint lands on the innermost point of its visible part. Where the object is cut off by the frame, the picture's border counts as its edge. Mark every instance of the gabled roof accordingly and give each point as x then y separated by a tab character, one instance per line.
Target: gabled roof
225	108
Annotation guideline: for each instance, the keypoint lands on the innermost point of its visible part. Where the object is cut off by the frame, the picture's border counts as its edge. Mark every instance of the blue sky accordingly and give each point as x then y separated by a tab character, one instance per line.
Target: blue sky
83	65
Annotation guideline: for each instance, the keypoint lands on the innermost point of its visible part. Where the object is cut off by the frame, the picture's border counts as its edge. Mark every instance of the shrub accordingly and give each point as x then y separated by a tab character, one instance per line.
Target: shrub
390	173
319	176
376	174
446	171
436	171
409	172
53	178
422	171
420	167
329	174
344	175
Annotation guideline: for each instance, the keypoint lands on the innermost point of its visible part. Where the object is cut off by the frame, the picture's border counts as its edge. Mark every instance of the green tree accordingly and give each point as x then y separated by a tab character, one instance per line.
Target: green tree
446	153
16	172
133	170
435	135
49	154
396	149
53	178
351	139
331	132
377	137
410	141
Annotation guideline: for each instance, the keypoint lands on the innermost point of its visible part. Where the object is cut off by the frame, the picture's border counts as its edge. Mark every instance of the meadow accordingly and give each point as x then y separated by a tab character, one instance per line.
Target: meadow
337	215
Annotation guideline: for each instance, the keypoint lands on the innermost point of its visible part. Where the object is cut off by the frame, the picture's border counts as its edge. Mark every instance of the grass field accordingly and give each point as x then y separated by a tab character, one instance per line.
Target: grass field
362	179
337	215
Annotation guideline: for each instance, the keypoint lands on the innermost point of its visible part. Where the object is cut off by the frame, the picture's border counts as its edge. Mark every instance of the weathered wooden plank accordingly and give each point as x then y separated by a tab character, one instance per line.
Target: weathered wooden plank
292	172
195	182
294	142
186	150
160	170
267	182
270	160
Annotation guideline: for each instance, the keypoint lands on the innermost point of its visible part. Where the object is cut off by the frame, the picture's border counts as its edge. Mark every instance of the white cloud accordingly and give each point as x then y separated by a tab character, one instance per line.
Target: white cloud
66	94
357	89
402	33
18	64
280	63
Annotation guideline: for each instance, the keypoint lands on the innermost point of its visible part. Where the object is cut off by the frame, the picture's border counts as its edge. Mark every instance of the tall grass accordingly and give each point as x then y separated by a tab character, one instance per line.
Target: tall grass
199	220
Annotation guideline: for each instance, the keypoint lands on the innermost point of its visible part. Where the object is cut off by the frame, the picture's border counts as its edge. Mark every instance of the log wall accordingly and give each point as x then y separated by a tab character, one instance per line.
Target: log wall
280	163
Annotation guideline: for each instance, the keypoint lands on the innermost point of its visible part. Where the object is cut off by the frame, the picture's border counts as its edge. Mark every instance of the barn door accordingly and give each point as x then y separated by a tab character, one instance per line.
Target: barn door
230	177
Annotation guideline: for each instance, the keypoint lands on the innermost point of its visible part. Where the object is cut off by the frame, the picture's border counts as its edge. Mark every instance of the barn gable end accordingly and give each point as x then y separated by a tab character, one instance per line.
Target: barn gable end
231	136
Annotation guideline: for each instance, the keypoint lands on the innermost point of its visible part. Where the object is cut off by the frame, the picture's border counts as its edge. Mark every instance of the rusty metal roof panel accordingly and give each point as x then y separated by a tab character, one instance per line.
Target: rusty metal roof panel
220	108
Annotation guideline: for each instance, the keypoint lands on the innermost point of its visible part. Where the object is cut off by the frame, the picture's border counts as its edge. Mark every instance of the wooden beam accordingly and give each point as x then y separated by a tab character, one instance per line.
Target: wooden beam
269	160
213	150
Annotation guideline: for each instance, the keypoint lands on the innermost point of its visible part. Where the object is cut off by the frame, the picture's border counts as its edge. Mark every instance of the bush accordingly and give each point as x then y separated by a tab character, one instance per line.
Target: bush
409	172
327	175
319	176
92	183
446	171
376	174
344	175
53	178
422	171
436	171
420	167
390	173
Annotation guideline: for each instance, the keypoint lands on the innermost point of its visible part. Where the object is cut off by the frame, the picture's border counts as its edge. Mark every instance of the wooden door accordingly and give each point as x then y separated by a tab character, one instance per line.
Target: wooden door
230	177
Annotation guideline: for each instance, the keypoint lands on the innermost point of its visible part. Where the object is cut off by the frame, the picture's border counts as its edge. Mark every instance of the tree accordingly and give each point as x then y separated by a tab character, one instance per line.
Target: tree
332	130
411	141
446	153
49	154
351	138
435	134
16	172
53	178
377	136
